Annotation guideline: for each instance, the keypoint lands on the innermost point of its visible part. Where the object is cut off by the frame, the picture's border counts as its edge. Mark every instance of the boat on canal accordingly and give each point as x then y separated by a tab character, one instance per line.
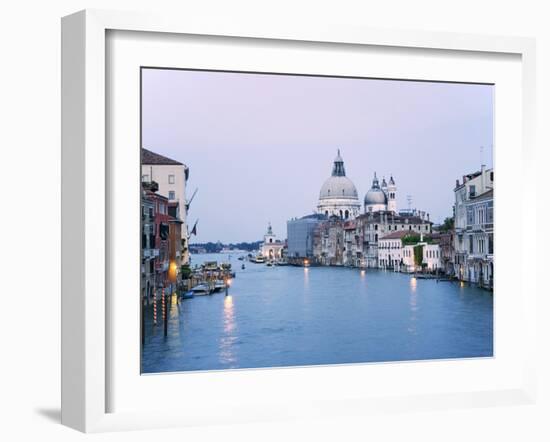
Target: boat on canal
188	295
424	276
281	263
201	289
259	259
219	285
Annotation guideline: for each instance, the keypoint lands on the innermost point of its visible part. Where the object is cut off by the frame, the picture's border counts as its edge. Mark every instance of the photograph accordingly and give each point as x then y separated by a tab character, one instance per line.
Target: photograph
294	220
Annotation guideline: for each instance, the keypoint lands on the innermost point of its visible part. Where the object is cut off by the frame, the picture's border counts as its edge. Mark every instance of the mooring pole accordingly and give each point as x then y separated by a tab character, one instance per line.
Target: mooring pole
143	322
164	312
155	306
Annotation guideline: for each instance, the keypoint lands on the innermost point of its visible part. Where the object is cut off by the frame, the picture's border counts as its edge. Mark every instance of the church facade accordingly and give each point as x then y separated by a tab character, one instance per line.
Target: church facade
271	248
351	237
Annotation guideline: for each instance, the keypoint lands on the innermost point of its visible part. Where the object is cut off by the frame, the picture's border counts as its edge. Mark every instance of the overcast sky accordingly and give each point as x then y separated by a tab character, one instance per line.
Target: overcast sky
259	147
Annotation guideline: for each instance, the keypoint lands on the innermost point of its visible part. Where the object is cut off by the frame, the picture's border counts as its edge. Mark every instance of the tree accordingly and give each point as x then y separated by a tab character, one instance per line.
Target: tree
418	255
448	225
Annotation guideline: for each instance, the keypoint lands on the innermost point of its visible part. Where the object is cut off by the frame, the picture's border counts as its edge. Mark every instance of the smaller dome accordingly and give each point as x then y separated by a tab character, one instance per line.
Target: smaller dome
375	196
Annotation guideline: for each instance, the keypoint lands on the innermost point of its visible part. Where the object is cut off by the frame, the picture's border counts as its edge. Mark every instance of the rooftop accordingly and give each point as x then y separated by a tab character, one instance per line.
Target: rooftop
393	218
484	195
153	158
396	235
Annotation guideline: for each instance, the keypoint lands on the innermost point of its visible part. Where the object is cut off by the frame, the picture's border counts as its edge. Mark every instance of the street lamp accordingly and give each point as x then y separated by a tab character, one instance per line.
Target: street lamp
227	284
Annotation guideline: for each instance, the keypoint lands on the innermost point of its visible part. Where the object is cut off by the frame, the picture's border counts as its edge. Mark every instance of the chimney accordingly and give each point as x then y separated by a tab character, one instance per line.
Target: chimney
482	178
457	184
428	216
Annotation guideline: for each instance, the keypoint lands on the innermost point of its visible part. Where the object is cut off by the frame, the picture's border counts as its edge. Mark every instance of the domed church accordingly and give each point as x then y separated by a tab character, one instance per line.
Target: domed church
381	198
338	196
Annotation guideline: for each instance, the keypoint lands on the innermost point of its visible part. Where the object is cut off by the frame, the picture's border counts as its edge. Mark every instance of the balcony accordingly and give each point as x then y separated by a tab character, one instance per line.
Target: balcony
150	253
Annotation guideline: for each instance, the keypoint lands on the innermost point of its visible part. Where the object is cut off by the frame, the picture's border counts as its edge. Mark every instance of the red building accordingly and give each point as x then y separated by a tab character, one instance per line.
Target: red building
162	236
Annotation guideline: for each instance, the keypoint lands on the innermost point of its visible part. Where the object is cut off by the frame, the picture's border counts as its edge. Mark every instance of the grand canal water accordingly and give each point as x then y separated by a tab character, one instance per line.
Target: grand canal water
289	316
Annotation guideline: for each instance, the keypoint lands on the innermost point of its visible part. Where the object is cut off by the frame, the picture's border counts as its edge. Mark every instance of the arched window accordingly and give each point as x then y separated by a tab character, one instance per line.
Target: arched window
270	239
341	214
347	214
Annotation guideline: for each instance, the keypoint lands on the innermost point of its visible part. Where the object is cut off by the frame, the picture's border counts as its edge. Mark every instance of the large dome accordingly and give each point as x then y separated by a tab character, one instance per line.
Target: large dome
338	195
338	187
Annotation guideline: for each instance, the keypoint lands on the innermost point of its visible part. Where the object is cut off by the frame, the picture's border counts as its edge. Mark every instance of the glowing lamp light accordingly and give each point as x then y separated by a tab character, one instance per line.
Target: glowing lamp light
172	271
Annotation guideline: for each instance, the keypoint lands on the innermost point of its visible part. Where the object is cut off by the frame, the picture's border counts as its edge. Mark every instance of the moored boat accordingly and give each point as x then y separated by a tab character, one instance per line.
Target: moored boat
188	295
201	289
219	285
281	263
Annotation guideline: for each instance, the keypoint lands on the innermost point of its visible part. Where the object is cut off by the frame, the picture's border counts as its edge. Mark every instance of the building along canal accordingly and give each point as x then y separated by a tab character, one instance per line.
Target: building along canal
295	316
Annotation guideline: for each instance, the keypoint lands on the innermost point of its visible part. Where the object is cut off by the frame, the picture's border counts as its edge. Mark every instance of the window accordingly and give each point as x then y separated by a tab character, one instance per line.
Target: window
171	179
171	195
471	244
472	190
145	178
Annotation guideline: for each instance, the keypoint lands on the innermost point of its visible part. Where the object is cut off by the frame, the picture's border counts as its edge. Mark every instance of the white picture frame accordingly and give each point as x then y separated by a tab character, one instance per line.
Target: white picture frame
86	352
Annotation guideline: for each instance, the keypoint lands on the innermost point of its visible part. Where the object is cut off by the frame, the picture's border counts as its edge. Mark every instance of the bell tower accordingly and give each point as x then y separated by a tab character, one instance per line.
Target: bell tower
392	195
269	237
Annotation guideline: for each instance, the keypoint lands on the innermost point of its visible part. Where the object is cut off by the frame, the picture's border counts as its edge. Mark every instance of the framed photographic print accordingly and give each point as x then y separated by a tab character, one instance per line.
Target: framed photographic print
291	222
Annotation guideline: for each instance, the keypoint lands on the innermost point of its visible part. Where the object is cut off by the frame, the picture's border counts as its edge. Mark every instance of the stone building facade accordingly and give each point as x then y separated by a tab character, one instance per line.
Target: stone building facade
473	228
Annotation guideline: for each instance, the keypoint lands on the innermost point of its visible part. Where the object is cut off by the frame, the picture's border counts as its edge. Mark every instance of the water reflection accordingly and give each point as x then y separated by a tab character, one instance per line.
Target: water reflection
228	339
413	307
413	283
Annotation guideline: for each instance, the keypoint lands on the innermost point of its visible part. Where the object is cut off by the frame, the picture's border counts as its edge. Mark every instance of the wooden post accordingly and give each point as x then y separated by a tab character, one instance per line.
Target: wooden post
155	306
164	312
143	320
